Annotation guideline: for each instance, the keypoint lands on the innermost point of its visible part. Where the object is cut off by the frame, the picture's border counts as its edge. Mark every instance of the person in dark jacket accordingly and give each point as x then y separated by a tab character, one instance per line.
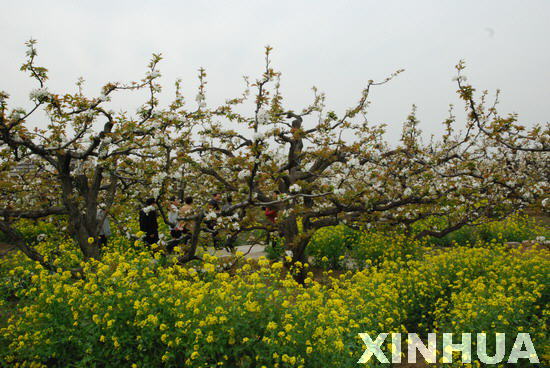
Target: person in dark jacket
148	222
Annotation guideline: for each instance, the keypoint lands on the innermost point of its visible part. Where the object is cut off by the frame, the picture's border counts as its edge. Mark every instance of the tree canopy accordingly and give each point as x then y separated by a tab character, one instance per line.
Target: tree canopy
315	167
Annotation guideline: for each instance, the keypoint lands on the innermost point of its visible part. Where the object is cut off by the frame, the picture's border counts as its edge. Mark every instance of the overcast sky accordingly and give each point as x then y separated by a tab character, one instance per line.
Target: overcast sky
335	45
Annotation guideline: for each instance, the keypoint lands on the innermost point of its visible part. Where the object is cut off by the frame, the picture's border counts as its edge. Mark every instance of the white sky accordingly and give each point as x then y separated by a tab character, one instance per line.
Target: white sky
334	45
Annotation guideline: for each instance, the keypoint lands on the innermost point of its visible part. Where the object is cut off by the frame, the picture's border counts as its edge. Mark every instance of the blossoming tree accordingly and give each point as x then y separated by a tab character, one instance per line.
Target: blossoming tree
65	166
318	168
311	167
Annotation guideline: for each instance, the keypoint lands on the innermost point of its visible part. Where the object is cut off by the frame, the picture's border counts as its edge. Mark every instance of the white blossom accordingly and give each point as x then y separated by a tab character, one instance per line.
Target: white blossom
243	175
158	178
294	188
172	116
258	136
148	209
211	216
353	162
263	116
103	98
18	113
339	191
103	153
153	74
39	94
201	100
88	114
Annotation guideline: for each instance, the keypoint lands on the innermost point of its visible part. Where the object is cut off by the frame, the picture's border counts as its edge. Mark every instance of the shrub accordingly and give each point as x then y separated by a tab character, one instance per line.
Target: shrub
329	246
275	250
517	227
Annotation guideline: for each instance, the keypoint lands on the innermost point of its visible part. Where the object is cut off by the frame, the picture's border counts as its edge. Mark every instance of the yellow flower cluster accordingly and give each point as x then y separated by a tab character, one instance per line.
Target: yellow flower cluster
331	246
131	311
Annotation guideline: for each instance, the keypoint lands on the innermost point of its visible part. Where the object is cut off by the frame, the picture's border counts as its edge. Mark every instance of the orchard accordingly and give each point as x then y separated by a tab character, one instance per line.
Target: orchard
357	234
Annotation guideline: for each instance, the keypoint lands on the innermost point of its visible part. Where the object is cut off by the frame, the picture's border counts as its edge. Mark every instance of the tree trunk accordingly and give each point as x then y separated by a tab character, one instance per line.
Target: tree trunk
83	222
89	250
297	243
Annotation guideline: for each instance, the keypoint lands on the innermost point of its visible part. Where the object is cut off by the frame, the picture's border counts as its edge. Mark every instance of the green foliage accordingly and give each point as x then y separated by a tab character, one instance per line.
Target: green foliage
330	247
515	228
275	250
330	244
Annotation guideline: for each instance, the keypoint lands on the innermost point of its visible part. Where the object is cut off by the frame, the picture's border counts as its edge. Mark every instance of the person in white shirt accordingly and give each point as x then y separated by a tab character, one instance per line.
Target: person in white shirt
105	229
173	212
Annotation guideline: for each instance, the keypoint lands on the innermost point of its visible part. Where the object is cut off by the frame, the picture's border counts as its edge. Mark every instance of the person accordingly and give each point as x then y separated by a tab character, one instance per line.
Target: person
105	230
271	214
186	226
215	202
215	206
230	239
271	211
183	227
148	222
173	212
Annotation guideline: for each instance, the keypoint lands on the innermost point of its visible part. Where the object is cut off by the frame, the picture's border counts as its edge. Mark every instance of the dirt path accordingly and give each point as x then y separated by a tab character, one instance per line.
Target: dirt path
5	248
249	251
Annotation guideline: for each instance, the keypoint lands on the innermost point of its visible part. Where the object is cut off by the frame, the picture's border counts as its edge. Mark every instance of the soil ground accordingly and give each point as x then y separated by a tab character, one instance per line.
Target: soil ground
5	248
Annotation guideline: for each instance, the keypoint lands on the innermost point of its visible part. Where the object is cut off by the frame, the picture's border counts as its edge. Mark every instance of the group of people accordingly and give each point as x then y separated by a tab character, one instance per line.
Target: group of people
181	227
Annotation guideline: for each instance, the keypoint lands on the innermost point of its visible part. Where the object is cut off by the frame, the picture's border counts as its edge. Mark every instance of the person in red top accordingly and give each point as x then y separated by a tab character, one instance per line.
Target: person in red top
271	212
